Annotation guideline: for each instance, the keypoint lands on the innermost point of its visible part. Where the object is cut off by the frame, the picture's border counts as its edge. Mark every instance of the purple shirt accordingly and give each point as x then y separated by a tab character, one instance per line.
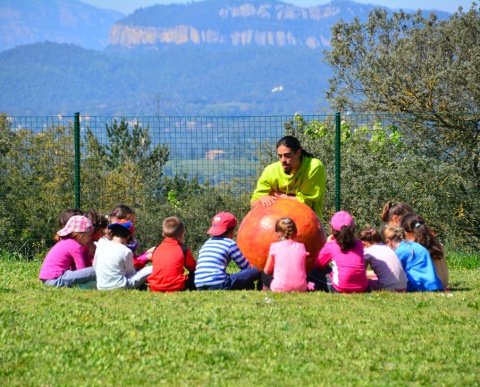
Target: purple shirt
348	268
66	254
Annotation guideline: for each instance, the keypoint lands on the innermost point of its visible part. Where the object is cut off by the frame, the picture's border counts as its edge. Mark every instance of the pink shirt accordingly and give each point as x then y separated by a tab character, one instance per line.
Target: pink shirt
66	254
289	273
348	268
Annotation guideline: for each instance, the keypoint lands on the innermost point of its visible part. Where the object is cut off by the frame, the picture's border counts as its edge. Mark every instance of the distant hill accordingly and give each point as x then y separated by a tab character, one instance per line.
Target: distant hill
61	21
235	22
213	57
51	78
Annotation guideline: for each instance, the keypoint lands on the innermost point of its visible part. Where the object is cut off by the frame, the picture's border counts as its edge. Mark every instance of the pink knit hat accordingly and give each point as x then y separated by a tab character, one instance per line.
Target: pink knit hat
340	219
77	223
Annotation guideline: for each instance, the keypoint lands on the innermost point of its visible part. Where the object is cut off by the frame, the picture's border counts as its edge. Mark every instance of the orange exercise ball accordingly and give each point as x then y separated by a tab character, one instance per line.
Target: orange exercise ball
257	230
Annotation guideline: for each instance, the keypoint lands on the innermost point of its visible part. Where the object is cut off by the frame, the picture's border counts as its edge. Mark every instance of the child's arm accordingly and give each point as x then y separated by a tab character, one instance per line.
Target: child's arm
129	267
190	262
324	256
238	257
78	255
268	269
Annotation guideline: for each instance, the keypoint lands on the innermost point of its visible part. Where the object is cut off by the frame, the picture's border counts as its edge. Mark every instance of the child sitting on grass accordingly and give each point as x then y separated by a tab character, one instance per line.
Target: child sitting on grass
286	260
384	263
344	253
416	230
113	261
415	260
170	259
215	255
122	214
64	265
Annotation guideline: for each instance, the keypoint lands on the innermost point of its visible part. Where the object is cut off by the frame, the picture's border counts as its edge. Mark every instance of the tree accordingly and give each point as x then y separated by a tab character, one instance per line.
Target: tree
421	67
127	167
424	73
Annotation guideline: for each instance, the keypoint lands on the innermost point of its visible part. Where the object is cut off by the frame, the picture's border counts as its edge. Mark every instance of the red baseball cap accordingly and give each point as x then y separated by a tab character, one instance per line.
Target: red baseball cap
221	223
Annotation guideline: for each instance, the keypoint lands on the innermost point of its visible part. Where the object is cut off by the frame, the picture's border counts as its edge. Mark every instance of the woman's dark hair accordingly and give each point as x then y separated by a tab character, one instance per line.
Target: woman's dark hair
293	144
370	235
423	234
345	237
122	211
395	208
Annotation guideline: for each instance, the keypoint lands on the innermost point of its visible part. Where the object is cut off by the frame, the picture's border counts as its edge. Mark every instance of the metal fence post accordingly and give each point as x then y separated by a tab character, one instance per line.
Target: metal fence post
337	160
76	136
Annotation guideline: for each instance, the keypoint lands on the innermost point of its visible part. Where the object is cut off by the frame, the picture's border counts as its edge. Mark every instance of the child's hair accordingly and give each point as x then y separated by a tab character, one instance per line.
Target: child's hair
98	221
173	227
120	232
395	208
67	214
396	234
423	234
74	235
345	237
122	211
370	235
286	227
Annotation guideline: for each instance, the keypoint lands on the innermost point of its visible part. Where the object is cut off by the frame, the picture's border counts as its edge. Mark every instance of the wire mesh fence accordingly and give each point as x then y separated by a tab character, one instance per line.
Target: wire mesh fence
136	160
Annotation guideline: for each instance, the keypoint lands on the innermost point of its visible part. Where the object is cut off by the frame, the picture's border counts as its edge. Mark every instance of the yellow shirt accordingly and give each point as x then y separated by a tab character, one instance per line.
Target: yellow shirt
307	184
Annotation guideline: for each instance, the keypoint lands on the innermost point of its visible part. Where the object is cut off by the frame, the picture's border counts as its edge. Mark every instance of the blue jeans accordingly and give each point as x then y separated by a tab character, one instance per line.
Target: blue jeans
243	280
73	277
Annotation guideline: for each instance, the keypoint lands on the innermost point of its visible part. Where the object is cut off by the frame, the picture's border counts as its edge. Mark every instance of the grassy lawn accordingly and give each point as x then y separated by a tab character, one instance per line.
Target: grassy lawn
75	337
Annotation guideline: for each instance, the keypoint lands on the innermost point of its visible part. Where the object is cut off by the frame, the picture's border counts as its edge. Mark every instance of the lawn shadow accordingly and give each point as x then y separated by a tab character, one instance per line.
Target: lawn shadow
456	287
6	290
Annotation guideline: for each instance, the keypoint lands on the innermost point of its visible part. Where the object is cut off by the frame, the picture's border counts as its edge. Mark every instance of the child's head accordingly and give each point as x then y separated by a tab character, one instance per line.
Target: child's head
173	227
222	224
121	231
78	227
343	229
67	214
393	213
393	235
122	212
285	228
63	219
99	222
416	229
369	236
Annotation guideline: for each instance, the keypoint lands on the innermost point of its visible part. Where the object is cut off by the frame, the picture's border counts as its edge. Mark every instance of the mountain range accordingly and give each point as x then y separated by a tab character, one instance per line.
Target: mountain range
212	57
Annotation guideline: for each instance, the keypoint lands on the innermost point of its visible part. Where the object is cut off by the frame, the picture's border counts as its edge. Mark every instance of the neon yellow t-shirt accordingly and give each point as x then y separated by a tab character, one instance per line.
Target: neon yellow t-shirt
307	184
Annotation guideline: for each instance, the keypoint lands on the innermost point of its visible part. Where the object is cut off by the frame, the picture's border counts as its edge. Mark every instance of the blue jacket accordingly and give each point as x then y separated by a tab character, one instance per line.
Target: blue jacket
418	265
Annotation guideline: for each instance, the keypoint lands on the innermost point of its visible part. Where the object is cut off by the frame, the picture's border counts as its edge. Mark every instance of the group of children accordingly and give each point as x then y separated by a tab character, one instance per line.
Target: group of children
93	251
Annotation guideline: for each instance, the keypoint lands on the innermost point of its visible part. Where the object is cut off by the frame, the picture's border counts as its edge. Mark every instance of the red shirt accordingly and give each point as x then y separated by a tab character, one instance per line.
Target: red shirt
169	265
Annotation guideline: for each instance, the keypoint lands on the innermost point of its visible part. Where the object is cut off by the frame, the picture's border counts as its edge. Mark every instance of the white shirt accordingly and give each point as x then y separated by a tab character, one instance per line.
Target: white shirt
113	262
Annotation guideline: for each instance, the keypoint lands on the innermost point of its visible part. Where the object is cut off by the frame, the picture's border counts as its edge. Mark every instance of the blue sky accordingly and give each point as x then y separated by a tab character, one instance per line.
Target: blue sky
128	6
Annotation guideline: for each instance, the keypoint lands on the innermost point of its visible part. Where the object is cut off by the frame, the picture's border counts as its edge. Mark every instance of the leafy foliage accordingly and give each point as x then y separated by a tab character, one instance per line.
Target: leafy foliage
425	70
377	165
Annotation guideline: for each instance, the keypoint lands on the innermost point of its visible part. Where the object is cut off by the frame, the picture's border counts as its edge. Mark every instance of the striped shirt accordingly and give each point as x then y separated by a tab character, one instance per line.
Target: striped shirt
213	259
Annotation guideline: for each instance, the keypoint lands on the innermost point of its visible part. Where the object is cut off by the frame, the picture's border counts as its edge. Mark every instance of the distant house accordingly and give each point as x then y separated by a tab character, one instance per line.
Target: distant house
214	154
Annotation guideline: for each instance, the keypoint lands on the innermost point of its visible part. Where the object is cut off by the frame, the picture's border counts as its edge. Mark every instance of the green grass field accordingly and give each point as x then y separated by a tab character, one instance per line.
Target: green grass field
74	337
